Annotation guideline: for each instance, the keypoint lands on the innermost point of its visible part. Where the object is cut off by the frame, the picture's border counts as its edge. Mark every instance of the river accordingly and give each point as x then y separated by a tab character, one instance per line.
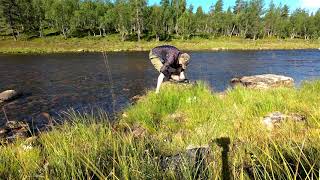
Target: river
54	83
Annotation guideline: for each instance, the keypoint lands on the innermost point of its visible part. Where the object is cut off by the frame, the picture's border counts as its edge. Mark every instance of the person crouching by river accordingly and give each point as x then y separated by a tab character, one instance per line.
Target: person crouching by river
170	62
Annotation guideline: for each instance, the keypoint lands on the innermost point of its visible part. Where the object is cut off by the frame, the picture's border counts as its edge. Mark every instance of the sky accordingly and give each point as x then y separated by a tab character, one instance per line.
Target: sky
310	5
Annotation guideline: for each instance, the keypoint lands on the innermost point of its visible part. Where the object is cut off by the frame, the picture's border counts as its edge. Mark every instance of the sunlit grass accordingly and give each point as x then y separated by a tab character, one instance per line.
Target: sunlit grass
57	44
87	146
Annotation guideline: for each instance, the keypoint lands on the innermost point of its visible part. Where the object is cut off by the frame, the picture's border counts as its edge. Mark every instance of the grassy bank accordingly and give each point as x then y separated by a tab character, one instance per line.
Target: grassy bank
165	124
112	43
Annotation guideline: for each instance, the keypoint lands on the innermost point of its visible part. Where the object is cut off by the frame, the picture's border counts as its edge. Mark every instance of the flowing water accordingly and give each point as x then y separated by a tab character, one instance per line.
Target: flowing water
55	83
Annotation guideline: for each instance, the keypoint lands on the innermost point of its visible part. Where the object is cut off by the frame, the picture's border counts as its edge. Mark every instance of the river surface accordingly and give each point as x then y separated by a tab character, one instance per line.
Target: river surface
55	83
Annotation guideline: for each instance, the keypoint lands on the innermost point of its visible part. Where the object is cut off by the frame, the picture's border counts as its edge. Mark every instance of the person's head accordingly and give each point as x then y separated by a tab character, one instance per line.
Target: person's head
184	60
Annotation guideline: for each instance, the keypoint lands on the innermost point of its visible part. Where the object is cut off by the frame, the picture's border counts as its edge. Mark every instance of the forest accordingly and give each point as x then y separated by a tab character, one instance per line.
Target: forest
137	19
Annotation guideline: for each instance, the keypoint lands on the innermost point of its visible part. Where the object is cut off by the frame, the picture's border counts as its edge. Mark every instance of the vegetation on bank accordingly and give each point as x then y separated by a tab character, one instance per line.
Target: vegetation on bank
48	26
251	19
165	124
112	43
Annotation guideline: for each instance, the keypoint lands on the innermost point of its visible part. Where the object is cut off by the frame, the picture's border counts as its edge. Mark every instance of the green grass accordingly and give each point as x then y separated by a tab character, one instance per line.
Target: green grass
87	146
57	44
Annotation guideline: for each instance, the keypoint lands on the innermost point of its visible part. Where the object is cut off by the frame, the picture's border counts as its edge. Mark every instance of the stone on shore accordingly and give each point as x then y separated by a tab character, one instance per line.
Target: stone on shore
197	157
264	81
9	95
274	119
14	130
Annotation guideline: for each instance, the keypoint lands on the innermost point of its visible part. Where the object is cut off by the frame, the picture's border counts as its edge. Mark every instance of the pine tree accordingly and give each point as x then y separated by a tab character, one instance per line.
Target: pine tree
217	17
200	21
254	13
240	20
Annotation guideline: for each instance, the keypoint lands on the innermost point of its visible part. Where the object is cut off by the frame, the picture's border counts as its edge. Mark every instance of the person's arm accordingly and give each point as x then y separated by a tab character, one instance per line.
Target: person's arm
160	80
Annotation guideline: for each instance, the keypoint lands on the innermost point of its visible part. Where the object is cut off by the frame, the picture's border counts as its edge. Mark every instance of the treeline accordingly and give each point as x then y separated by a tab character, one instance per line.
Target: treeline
134	19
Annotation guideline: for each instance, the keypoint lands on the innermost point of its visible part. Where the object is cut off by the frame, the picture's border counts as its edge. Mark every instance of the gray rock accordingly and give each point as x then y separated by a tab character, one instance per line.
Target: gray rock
196	157
9	95
264	81
13	130
276	118
16	125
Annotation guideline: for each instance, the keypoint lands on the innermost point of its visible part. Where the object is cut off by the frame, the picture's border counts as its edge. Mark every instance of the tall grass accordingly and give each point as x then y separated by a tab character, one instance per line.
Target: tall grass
240	147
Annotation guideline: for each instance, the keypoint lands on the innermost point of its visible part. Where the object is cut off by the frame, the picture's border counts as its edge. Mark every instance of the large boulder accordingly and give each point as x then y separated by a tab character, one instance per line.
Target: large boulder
264	81
9	95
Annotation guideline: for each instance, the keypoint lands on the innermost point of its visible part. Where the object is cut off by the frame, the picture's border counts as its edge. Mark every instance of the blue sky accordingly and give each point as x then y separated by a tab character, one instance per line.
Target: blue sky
310	5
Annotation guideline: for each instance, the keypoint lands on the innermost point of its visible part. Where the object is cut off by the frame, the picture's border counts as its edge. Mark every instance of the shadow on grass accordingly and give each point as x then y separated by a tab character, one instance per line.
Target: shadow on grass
224	143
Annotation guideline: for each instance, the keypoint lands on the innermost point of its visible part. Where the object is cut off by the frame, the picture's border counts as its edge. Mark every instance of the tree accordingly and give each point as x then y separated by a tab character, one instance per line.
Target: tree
156	24
166	17
186	23
178	8
11	14
317	24
239	6
217	15
240	20
138	8
107	21
61	13
270	19
284	23
200	21
39	15
87	17
299	24
123	18
254	13
229	23
135	18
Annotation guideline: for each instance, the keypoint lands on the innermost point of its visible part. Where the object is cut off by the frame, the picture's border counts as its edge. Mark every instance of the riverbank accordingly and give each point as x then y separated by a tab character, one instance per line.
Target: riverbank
112	43
151	137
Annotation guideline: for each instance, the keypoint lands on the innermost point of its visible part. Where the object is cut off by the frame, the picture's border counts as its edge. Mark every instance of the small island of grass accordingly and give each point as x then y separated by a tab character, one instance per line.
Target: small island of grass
161	127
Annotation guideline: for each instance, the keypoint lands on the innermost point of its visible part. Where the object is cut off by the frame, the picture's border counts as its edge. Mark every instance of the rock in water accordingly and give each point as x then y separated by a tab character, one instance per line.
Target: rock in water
264	81
9	95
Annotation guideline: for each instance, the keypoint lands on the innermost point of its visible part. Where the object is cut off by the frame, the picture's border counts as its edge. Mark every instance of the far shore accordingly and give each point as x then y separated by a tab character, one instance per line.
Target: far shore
111	44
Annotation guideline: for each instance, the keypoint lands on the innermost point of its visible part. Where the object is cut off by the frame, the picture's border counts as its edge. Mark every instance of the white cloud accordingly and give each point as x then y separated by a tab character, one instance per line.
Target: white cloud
310	4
